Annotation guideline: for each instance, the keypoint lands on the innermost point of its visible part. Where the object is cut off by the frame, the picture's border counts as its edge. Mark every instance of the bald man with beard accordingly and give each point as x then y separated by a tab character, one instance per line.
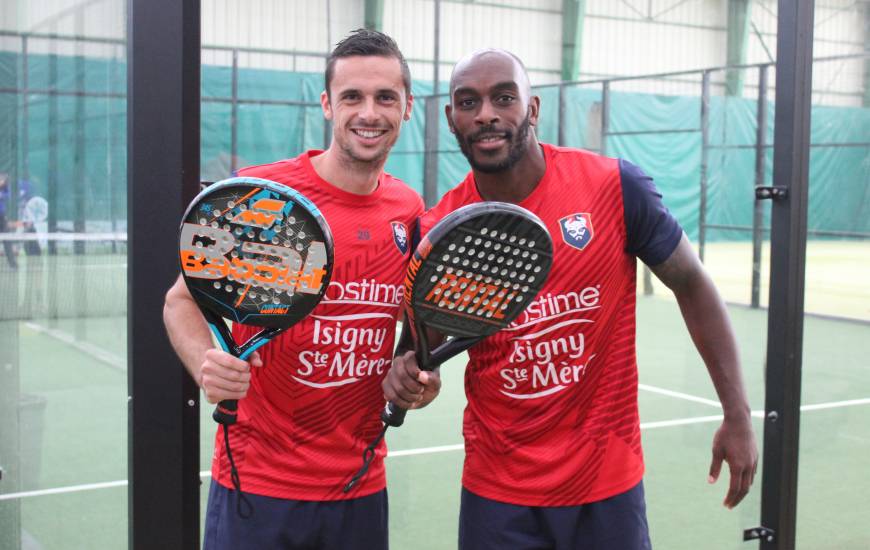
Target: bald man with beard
552	431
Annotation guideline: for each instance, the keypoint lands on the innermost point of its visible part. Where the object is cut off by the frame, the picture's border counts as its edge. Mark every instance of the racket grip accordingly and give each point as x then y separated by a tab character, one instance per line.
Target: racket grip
226	412
393	415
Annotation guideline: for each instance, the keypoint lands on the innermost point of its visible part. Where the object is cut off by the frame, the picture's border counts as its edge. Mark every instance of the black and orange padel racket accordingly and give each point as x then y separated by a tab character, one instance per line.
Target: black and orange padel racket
470	276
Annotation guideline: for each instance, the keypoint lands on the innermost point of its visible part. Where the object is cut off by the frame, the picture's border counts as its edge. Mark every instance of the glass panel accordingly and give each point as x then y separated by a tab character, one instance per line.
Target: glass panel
63	294
663	126
835	409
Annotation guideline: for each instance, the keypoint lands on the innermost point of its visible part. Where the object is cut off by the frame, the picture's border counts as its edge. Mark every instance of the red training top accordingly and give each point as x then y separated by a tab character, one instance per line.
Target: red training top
552	415
315	404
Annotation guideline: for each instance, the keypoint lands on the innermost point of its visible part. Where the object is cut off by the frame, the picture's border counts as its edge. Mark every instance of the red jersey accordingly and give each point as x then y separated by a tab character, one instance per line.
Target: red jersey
552	416
315	404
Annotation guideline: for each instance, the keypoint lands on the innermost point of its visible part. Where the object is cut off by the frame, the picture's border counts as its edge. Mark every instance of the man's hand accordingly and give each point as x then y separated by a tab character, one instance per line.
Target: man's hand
222	376
734	443
409	387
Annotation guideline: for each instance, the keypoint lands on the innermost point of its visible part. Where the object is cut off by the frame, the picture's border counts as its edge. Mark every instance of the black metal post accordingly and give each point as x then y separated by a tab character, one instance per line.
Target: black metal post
24	173
605	115
52	191
79	178
705	145
430	157
788	262
111	179
234	116
79	184
760	158
52	182
437	53
561	121
163	90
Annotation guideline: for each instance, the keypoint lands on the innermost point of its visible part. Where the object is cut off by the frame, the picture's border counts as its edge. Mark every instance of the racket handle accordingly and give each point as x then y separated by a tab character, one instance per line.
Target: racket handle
226	412
393	415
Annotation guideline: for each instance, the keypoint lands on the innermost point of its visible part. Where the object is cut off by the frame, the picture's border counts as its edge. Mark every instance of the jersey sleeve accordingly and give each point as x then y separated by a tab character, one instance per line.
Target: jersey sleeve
652	233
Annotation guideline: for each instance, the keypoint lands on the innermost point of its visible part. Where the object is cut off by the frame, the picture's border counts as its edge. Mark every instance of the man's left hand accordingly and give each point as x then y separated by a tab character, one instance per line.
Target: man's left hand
734	443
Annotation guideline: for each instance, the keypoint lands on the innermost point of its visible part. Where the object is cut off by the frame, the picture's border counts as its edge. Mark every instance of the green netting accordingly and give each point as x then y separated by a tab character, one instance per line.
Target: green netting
78	144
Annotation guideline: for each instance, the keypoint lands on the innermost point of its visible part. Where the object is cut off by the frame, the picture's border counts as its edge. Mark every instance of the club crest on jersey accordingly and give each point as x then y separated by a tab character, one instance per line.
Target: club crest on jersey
400	236
577	229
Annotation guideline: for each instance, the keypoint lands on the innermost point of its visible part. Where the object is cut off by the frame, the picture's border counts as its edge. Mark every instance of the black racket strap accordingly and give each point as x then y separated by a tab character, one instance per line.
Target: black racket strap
368	458
243	506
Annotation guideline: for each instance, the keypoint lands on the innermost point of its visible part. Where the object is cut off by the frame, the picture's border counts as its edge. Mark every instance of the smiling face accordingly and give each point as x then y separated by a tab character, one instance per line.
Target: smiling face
491	111
366	103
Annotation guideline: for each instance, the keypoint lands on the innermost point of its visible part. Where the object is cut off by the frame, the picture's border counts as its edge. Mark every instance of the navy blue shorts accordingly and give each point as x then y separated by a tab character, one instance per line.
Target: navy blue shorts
618	522
279	524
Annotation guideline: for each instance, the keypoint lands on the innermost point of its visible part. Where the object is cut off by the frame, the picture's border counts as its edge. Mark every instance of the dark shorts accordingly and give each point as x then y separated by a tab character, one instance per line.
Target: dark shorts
278	524
618	522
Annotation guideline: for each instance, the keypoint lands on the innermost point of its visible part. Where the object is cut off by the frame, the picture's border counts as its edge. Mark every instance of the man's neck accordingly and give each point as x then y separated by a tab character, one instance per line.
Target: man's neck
359	178
518	182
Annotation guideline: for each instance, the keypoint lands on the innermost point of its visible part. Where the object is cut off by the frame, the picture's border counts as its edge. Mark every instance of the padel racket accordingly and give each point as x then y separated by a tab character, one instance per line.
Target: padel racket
470	276
35	210
254	252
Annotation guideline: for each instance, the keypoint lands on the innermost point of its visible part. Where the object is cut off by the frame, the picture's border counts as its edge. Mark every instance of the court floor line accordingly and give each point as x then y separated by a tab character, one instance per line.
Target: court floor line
679	395
429	450
98	353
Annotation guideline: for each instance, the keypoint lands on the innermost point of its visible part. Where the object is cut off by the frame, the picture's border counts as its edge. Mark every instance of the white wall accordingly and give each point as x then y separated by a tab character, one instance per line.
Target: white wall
298	25
531	29
104	19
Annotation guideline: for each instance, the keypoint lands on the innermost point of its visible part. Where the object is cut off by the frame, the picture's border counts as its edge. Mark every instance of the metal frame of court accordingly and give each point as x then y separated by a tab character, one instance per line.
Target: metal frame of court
163	140
163	172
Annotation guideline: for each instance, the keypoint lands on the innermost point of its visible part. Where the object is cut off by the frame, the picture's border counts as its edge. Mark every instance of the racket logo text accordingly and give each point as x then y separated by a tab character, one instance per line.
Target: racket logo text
205	255
262	213
467	294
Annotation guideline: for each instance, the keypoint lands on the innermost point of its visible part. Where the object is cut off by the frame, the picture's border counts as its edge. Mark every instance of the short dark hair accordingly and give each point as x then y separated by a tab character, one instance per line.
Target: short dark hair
367	42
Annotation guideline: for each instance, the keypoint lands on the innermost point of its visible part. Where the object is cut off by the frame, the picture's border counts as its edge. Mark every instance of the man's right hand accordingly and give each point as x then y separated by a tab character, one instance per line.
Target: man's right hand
409	387
222	376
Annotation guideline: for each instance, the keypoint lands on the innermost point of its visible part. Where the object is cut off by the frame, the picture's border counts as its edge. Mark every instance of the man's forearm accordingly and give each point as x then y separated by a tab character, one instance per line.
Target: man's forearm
708	324
707	321
187	330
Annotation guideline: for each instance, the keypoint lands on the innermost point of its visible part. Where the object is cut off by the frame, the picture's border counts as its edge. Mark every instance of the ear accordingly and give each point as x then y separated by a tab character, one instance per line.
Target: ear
448	111
534	109
324	103
409	105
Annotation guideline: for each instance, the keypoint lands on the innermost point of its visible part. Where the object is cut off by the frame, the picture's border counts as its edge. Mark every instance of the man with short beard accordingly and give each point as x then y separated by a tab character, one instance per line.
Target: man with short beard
310	406
552	433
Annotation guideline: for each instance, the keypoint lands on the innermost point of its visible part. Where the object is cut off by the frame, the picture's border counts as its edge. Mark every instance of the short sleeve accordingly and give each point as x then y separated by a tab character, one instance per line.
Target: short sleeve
652	232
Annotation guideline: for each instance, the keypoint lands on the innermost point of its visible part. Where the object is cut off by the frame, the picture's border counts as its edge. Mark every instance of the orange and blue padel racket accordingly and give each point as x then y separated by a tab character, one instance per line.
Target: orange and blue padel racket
254	252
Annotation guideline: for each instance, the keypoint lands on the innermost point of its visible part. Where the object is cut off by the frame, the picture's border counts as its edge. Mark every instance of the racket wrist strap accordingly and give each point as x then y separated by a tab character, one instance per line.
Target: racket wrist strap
243	506
368	458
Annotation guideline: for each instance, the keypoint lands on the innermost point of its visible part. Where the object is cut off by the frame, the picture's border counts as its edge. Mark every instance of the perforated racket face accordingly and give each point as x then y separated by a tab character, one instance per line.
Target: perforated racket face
478	269
255	252
35	210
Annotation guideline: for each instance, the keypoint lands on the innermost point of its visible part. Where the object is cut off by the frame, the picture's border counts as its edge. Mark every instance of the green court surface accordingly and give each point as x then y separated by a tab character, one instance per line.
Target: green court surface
836	275
74	438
